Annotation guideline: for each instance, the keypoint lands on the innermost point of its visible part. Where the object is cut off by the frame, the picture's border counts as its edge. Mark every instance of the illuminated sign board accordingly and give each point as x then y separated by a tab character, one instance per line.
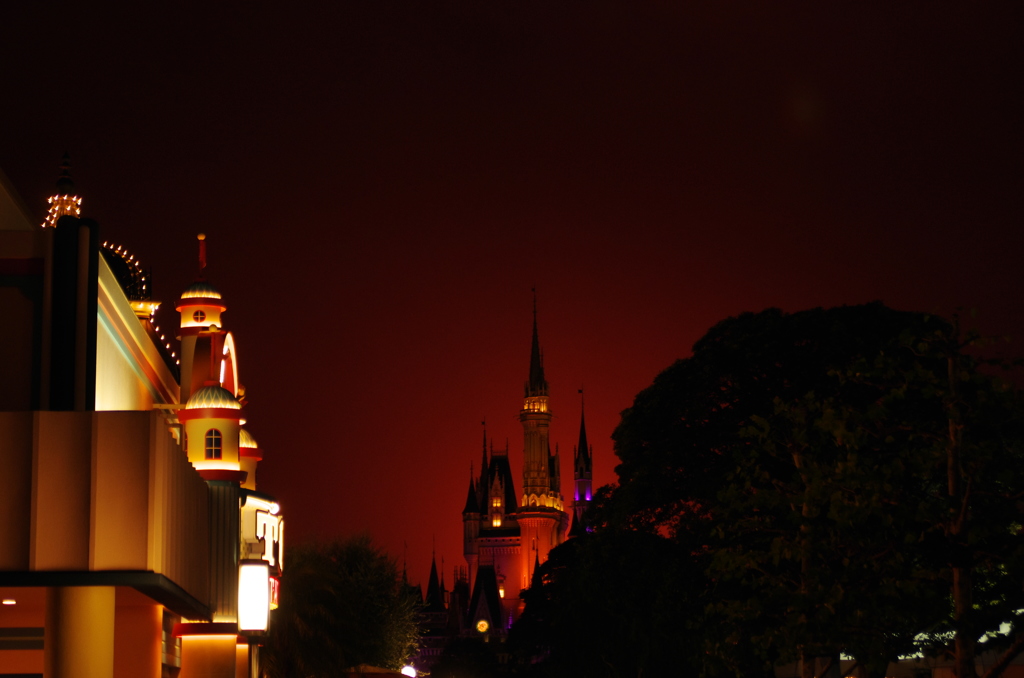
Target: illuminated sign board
253	595
262	531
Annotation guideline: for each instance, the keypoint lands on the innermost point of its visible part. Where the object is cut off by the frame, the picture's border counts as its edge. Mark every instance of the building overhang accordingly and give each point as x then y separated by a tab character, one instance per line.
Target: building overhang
154	585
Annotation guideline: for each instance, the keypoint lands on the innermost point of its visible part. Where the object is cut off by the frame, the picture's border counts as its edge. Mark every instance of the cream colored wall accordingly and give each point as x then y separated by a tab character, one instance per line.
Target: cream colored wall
61	491
130	372
178	516
196	431
101	491
119	522
118	385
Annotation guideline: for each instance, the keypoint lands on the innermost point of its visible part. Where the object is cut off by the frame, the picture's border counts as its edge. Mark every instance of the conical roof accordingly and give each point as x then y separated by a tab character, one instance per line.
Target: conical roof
537	384
212	396
200	289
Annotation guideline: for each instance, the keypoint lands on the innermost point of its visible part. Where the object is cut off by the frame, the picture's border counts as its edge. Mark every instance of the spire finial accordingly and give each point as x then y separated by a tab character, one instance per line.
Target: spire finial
202	254
65	186
537	385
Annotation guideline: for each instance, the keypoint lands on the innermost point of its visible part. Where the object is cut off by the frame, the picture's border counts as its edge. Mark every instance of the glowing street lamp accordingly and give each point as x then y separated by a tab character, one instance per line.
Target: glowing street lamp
253	595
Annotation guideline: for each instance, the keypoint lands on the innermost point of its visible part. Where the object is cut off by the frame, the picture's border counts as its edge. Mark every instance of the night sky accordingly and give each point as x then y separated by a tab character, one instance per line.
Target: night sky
383	183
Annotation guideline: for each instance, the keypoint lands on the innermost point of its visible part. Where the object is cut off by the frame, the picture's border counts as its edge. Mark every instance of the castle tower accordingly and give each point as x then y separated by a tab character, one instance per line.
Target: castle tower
583	472
540	517
536	420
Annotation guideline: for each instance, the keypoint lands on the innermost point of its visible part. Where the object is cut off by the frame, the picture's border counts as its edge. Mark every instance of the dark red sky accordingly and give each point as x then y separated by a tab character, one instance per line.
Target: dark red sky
382	183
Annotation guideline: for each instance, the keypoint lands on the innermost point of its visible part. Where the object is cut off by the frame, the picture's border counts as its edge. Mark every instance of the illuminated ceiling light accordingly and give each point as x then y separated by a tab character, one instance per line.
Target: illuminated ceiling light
9	601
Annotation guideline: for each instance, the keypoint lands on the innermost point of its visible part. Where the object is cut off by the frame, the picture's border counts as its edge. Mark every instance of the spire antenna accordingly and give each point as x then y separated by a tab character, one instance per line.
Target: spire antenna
202	254
64	201
537	384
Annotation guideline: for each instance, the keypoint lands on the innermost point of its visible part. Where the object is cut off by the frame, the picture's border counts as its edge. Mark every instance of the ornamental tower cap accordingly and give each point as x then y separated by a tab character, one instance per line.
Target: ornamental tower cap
212	397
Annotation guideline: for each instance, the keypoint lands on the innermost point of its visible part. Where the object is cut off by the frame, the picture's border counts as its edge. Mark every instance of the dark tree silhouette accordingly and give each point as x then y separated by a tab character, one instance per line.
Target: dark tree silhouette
342	604
847	469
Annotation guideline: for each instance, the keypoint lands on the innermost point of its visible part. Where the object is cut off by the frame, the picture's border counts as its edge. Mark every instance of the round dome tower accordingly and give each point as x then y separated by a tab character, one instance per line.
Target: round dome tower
212	418
249	454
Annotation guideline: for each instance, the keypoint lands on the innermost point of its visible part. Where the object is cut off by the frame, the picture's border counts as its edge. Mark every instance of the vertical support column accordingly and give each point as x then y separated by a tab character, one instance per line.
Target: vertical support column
224	531
79	636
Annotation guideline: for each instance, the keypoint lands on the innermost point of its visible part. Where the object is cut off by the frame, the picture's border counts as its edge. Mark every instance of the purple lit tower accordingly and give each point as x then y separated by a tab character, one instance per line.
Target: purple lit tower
583	471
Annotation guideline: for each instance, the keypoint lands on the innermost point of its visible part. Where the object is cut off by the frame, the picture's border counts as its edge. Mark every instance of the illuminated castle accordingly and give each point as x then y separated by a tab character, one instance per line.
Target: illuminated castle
506	534
134	541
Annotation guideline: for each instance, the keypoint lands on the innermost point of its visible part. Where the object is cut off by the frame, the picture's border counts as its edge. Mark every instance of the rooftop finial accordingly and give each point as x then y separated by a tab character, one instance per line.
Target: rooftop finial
202	254
65	186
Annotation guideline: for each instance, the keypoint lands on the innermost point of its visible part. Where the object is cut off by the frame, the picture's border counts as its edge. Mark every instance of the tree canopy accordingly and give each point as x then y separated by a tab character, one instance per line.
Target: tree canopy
839	476
342	604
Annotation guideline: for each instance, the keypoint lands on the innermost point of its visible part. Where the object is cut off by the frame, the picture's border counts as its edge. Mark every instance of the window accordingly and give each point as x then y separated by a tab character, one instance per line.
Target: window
213	444
496	502
199	316
496	520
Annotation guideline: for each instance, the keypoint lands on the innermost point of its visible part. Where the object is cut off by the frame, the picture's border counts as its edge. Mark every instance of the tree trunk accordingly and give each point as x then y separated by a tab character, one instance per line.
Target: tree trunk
965	641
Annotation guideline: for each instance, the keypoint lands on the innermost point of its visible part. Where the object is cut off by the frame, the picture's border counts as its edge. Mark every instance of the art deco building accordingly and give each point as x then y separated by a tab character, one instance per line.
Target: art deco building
134	541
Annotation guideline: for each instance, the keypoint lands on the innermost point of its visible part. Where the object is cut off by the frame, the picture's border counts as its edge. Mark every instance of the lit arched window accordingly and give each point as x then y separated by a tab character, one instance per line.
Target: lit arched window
213	444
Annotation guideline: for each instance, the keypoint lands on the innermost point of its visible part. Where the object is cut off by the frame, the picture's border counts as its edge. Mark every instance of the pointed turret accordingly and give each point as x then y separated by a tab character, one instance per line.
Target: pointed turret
583	472
537	385
472	507
482	485
65	186
435	598
536	419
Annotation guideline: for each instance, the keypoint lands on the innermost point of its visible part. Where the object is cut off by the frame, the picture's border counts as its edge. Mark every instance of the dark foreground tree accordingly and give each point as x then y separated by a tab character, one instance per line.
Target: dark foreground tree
849	470
614	603
468	658
342	604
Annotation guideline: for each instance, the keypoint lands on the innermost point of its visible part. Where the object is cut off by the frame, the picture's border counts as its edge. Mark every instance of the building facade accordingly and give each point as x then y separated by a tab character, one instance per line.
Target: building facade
134	539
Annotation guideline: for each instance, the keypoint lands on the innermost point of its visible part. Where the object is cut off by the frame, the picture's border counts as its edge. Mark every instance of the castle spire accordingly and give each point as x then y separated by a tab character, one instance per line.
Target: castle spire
435	599
583	473
537	385
583	450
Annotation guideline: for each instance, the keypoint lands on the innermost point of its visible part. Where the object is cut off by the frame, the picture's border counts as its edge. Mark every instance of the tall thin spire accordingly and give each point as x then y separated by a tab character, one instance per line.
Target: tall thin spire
483	487
583	472
537	385
583	450
202	255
